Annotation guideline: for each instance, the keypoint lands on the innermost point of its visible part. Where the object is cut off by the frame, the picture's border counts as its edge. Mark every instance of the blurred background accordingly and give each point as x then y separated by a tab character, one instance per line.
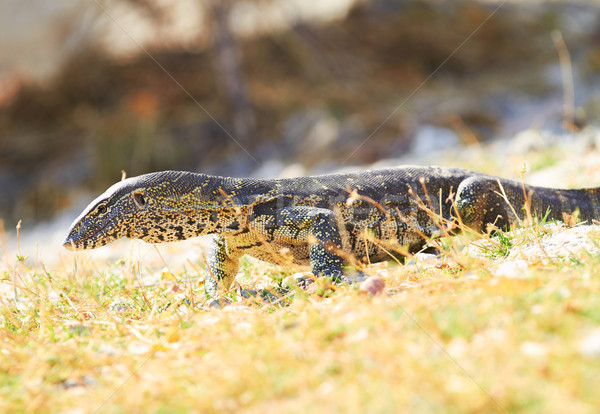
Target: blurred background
271	88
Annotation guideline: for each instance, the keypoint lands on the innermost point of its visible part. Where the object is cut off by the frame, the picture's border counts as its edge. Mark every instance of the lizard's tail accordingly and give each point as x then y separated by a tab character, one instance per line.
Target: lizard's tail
482	200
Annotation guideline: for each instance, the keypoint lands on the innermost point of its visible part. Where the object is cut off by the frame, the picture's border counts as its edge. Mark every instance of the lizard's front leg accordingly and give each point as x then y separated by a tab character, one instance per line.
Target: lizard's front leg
317	227
222	265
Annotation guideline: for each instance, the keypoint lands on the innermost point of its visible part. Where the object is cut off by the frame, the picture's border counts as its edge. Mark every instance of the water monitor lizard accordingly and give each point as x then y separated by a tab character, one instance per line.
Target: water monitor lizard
319	221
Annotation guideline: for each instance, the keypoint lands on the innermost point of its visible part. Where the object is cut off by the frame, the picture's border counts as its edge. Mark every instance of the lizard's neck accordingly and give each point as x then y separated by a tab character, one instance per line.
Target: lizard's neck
194	205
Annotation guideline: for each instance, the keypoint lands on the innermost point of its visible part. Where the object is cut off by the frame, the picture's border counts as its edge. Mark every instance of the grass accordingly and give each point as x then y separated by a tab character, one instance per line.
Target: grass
128	335
96	336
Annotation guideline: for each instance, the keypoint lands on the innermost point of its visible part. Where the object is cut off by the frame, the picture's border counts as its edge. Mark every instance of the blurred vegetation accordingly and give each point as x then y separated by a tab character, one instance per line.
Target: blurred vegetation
103	114
470	332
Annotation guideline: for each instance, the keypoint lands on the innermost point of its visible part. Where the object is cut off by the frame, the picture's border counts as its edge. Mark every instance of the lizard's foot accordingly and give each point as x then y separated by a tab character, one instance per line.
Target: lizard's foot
303	279
217	303
355	277
261	295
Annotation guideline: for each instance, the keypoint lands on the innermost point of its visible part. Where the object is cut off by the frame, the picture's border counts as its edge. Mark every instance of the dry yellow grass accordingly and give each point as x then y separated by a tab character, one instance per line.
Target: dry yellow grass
440	338
126	336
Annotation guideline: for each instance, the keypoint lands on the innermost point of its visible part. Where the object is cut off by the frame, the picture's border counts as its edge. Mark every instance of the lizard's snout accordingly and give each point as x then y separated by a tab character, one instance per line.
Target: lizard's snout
70	242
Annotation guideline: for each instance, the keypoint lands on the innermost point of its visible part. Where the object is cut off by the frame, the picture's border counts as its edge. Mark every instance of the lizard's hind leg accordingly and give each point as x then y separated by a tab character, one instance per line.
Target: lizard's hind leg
317	227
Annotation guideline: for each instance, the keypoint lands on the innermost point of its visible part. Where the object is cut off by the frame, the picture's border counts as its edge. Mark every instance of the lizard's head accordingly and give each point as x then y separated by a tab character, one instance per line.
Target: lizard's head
155	207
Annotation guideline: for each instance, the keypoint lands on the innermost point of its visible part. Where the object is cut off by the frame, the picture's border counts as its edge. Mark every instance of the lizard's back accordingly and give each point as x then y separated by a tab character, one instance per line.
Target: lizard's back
371	207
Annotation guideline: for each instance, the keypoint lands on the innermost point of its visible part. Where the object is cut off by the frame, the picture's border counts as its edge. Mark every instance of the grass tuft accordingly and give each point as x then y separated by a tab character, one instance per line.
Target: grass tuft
441	337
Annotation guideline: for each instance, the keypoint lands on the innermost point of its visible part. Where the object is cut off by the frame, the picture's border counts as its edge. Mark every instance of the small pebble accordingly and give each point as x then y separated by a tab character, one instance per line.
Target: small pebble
218	303
83	381
79	329
118	306
373	285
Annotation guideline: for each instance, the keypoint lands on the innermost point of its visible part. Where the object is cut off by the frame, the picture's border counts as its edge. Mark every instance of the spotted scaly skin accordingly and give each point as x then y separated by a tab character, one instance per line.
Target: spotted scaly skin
320	221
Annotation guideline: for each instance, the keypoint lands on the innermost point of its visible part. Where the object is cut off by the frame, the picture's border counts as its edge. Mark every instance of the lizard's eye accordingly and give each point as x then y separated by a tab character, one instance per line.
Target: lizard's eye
139	199
102	209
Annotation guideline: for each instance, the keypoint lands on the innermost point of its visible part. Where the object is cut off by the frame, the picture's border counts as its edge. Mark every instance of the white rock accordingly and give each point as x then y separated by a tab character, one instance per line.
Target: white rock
512	269
589	345
534	349
562	242
425	260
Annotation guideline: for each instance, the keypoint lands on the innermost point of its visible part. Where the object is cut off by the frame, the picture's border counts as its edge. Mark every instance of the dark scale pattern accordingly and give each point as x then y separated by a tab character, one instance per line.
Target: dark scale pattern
308	219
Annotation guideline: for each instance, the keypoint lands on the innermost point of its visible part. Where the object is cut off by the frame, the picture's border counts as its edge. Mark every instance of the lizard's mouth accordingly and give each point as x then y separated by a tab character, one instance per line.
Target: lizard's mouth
72	242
